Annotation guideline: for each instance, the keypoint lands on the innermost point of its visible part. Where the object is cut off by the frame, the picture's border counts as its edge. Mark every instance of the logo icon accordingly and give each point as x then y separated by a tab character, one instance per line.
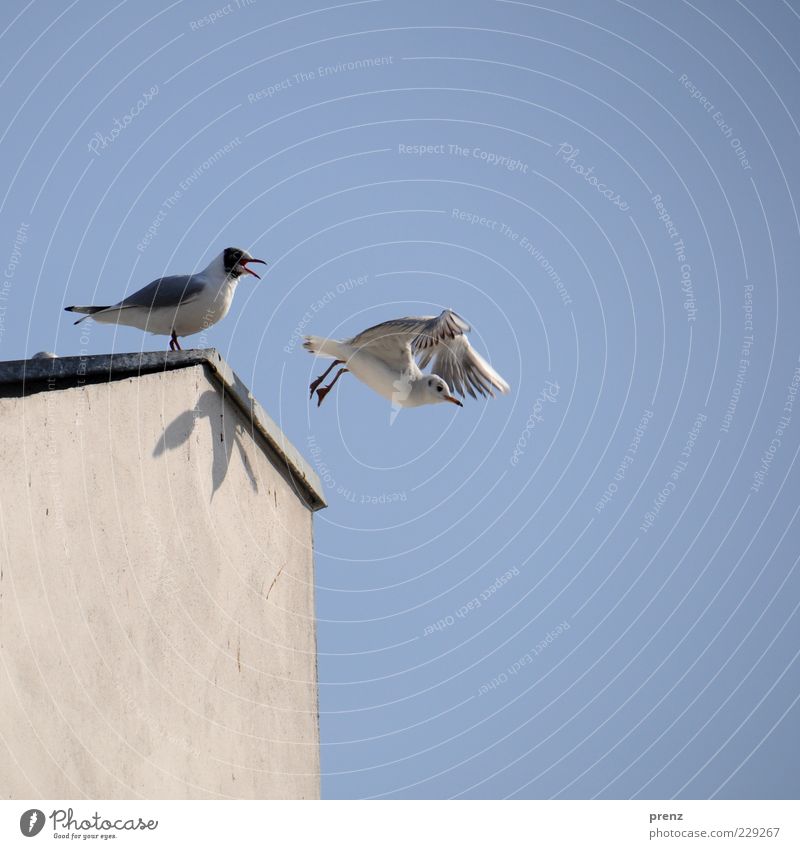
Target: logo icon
402	389
31	822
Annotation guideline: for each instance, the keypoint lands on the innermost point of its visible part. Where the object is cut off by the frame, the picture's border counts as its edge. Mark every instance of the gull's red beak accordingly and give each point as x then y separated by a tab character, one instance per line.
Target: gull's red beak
453	400
244	262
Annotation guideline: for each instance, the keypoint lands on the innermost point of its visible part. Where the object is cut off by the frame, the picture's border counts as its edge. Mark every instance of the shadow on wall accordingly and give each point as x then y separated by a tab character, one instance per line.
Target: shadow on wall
225	433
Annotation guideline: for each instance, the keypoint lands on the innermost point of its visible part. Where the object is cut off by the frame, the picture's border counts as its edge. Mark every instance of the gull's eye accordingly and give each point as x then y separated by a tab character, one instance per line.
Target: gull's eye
438	388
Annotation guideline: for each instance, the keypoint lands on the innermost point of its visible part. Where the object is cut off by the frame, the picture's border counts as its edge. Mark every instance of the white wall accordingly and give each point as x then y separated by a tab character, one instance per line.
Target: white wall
157	632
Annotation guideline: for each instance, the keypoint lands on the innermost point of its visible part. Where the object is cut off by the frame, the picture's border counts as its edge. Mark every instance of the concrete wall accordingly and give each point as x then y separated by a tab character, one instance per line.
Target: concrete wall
157	630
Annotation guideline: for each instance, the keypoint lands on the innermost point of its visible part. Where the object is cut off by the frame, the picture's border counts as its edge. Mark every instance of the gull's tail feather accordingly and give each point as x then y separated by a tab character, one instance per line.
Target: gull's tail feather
324	347
88	310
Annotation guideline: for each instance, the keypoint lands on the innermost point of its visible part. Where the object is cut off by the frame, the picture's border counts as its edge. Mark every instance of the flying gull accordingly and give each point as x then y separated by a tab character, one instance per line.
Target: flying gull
390	358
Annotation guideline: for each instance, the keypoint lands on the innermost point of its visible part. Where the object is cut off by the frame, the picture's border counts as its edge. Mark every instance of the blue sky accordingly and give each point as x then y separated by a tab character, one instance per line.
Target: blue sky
587	588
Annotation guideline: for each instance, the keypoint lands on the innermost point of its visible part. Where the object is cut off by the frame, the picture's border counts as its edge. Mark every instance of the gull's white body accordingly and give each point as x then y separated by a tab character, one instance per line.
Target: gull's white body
193	315
368	368
384	357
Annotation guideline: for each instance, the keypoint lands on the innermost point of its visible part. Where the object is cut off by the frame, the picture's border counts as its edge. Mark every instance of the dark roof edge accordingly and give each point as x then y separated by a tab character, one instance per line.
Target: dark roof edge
39	375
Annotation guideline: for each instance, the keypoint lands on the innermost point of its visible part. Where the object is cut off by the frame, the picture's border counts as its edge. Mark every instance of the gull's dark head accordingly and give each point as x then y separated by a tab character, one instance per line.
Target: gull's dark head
235	261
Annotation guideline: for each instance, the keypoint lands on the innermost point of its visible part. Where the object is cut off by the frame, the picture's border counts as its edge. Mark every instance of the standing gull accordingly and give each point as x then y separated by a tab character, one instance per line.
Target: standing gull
389	358
181	304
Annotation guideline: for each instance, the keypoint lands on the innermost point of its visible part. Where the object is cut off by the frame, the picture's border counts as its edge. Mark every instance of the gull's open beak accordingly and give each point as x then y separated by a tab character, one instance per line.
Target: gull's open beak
453	400
244	262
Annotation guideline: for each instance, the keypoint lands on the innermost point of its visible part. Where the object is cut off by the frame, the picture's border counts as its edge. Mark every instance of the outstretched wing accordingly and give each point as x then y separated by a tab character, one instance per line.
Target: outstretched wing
454	359
164	292
390	341
437	329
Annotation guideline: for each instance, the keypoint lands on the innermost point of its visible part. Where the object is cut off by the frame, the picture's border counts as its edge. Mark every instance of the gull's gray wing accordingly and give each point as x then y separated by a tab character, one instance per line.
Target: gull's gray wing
390	341
165	292
454	359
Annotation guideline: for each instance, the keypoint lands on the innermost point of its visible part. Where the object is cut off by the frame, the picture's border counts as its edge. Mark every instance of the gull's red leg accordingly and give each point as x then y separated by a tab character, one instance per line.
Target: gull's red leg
324	390
322	377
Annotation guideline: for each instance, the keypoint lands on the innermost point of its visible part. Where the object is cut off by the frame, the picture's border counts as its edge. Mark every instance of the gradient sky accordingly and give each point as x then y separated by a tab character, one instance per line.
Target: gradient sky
588	588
